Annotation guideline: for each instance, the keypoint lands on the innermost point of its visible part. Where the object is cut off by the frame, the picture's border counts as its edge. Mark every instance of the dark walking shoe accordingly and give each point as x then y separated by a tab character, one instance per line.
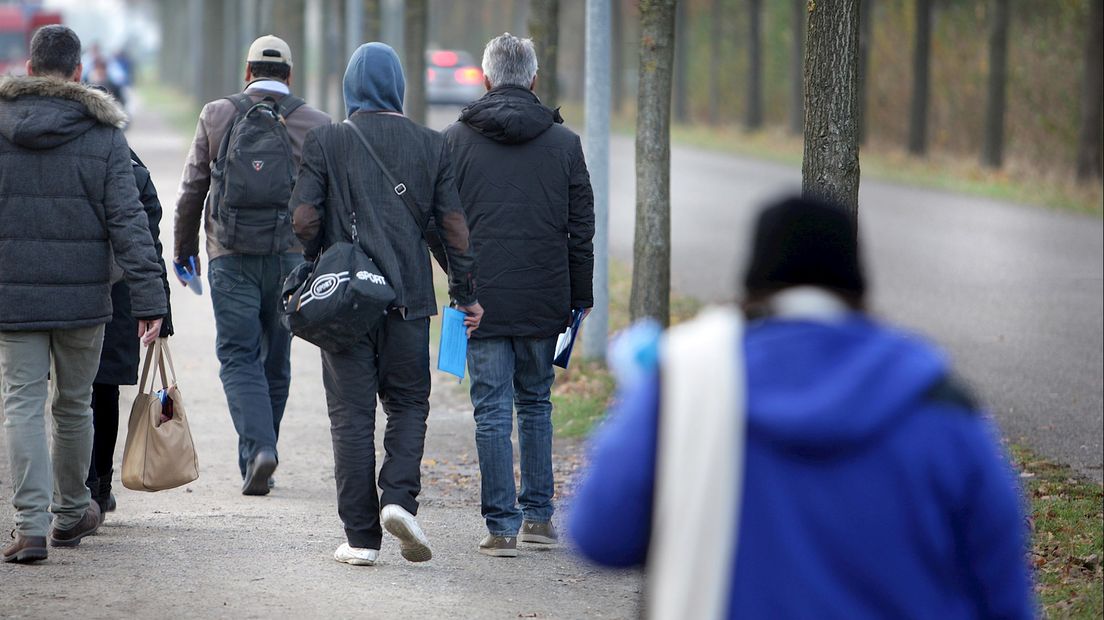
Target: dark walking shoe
257	474
25	549
103	495
87	526
538	533
499	546
413	542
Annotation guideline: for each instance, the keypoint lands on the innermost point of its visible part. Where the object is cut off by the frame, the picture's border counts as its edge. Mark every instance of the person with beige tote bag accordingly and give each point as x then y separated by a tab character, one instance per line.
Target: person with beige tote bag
159	452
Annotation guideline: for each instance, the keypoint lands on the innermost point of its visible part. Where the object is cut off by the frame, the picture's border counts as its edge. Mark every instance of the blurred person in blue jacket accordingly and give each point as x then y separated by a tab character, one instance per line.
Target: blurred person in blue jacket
812	462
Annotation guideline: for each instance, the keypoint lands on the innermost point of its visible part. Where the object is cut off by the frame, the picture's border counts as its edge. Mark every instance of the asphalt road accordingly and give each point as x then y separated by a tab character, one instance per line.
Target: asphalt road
1013	292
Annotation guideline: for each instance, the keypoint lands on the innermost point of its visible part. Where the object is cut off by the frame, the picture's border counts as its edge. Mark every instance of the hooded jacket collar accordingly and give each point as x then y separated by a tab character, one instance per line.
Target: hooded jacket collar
510	114
44	112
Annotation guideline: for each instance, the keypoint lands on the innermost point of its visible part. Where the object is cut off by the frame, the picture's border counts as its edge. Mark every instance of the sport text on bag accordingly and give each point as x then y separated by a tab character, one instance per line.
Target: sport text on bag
252	177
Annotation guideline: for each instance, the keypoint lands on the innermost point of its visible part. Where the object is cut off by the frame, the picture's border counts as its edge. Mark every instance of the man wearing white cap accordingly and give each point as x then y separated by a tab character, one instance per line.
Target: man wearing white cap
237	180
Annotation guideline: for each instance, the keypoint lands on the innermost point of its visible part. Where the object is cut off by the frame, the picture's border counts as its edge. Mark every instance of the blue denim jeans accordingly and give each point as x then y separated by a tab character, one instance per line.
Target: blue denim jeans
508	373
253	347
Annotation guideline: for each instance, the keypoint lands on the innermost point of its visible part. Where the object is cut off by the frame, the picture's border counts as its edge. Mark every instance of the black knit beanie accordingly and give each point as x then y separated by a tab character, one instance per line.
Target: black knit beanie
799	241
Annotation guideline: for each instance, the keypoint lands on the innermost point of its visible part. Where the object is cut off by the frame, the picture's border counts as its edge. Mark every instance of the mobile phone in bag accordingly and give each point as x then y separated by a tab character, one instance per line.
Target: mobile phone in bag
166	404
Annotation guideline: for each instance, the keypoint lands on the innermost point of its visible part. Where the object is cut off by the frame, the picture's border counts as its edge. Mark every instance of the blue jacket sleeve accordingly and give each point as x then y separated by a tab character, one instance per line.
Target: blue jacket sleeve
994	532
611	519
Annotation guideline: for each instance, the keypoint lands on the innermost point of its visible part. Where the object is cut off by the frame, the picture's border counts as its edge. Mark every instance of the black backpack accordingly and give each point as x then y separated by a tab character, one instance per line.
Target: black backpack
252	177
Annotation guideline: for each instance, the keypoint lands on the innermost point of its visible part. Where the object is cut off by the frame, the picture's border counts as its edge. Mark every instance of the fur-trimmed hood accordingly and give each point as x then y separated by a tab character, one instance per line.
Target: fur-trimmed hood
45	112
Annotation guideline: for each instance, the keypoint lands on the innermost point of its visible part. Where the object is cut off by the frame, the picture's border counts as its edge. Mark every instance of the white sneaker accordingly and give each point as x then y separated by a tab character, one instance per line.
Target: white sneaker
402	525
356	556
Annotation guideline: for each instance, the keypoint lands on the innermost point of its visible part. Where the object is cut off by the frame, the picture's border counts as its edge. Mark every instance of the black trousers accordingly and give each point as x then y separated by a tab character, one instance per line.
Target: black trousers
105	425
393	362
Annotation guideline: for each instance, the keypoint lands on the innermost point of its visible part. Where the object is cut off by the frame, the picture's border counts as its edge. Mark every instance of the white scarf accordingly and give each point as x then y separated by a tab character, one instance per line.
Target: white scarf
700	468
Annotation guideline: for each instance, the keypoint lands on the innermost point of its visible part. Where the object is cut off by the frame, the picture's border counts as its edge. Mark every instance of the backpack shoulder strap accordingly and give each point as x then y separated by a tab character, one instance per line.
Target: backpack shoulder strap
289	104
241	101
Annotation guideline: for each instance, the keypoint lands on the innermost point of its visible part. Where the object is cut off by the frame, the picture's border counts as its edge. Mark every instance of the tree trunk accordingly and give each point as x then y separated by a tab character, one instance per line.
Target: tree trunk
753	118
921	57
866	41
215	69
544	28
682	63
372	20
716	41
289	24
830	167
414	39
797	74
651	283
617	53
992	154
519	17
1092	97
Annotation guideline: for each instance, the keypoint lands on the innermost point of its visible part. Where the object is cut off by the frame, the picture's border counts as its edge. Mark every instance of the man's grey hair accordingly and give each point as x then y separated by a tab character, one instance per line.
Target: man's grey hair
510	61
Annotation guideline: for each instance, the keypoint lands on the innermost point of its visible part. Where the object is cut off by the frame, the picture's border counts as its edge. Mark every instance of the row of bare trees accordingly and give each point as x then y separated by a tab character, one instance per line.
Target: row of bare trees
699	25
998	16
830	167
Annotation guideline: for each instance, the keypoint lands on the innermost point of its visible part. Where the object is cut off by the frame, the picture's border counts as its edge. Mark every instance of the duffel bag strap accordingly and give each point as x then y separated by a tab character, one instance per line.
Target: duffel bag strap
397	186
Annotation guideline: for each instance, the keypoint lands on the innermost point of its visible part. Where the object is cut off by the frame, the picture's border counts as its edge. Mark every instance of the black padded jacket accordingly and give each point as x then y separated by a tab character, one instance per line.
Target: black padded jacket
526	191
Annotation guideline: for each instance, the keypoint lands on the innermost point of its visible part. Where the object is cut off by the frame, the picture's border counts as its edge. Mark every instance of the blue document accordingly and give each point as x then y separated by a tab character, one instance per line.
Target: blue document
566	341
187	273
453	352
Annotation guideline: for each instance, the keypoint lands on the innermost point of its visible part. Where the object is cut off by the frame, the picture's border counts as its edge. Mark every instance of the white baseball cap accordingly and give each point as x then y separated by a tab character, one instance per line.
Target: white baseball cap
269	48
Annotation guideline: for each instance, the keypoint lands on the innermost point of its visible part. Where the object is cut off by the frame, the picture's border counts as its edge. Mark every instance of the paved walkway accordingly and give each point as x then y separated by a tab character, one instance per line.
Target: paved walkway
207	551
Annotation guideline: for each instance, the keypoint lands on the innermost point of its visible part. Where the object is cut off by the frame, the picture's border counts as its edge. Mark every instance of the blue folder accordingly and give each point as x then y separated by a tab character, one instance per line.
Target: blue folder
566	341
453	352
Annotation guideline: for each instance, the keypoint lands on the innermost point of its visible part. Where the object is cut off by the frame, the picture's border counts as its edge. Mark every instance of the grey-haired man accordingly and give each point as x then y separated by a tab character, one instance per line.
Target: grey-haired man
526	191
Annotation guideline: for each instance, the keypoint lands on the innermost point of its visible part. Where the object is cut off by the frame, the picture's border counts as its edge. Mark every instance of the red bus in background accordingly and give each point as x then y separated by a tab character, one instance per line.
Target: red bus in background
17	26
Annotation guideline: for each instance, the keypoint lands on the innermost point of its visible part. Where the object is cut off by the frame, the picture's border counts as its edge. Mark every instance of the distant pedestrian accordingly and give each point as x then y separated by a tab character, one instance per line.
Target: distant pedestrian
237	182
526	191
69	212
817	464
120	353
100	77
391	360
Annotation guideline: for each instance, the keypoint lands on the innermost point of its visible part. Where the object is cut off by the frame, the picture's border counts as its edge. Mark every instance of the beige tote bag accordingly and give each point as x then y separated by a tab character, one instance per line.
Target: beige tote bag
159	452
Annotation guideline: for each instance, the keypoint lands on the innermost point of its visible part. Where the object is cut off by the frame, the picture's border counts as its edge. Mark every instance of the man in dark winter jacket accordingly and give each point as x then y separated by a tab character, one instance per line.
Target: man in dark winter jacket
69	210
253	347
816	463
526	191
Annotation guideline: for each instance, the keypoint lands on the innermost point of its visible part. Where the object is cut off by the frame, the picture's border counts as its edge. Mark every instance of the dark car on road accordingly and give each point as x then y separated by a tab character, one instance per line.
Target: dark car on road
452	77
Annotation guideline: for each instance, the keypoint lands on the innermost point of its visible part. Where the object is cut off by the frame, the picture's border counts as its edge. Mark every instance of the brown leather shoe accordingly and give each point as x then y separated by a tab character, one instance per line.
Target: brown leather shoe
87	526
25	549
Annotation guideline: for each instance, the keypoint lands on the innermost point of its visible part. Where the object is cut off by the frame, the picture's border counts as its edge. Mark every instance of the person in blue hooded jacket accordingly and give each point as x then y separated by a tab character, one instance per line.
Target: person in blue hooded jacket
846	475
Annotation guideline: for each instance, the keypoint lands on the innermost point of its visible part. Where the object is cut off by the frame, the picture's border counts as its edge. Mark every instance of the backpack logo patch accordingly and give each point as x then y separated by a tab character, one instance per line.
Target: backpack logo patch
258	164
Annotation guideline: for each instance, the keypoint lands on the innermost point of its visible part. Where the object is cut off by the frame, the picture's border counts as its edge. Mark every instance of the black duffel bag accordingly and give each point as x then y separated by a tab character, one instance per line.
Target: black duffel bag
335	301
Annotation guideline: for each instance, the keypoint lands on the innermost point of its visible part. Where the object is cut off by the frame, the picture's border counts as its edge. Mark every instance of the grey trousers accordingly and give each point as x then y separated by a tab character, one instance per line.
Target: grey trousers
43	481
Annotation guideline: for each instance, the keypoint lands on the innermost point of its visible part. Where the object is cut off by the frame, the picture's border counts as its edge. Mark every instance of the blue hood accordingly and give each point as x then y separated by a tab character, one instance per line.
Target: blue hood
828	388
374	80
